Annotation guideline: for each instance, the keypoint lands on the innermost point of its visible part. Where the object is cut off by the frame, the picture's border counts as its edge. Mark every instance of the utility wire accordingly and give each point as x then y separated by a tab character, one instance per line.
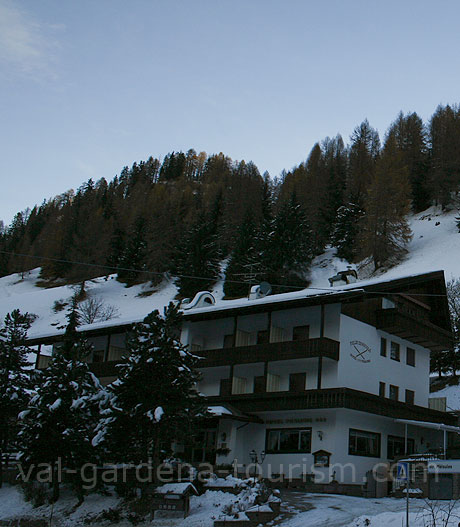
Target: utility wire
157	273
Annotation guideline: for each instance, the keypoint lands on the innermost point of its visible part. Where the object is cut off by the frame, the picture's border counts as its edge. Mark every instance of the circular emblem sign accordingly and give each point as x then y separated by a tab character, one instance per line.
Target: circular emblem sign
360	351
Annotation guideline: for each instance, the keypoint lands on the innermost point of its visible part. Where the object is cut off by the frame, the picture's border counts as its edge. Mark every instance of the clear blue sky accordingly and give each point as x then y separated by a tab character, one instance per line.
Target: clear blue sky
89	86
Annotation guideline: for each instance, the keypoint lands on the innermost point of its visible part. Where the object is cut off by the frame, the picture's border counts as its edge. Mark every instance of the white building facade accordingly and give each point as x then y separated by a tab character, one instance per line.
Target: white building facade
316	383
321	382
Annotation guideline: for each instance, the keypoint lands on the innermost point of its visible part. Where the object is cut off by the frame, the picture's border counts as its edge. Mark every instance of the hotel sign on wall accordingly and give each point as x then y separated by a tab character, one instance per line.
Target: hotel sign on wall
360	351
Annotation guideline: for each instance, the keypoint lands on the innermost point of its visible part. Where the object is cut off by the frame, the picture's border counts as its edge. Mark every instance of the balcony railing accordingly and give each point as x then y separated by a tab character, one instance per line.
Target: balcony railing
331	398
273	351
418	331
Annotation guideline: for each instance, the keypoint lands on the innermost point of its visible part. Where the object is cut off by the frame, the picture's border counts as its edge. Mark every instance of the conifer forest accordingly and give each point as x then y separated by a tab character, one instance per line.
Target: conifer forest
195	216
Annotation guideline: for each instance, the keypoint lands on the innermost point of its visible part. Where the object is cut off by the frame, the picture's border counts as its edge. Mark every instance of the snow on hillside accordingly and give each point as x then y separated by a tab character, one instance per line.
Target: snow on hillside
435	245
26	296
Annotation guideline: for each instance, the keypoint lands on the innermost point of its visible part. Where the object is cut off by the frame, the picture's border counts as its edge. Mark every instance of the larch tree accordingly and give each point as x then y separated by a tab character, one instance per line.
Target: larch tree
363	153
15	382
411	141
385	232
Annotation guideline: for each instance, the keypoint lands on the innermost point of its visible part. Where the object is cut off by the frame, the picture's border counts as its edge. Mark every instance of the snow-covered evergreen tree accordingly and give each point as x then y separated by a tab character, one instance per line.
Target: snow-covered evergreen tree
345	231
244	263
154	400
198	255
59	423
287	250
14	377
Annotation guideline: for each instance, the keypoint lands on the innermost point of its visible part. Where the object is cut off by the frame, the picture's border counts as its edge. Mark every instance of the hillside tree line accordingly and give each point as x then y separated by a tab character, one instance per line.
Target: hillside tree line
190	213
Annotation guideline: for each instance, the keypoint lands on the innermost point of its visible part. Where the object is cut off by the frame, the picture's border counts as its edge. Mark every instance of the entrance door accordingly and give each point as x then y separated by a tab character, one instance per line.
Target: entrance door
441	487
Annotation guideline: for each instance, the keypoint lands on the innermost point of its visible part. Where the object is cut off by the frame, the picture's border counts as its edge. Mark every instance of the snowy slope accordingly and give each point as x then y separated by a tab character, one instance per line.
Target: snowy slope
435	245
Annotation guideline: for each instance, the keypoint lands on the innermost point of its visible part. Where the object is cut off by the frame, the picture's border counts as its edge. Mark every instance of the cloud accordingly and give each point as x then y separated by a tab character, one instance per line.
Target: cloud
27	47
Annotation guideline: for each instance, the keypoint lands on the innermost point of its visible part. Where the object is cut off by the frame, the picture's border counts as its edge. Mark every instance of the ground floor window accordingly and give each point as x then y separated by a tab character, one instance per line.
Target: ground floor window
202	447
288	440
396	447
362	443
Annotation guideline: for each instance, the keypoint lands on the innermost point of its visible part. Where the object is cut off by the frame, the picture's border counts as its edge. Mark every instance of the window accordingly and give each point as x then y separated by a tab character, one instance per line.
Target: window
228	341
239	385
395	351
288	440
300	332
263	336
396	447
410	396
383	347
98	355
410	356
394	393
273	382
382	389
363	443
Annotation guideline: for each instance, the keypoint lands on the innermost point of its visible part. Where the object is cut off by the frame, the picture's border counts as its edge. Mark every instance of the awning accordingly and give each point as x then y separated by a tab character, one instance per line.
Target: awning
427	424
230	412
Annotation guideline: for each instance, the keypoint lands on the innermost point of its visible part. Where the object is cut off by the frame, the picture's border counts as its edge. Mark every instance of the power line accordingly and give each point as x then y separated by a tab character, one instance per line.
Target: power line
158	273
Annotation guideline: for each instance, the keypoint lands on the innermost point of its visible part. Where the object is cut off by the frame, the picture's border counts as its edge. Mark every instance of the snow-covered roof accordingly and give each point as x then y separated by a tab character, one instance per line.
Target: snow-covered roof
435	244
176	488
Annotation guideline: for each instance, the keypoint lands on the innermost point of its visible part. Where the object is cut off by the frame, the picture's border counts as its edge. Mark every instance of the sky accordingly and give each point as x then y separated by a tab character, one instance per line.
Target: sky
88	87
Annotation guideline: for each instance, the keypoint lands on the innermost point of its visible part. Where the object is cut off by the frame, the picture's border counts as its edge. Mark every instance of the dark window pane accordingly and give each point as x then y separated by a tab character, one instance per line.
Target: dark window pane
394	351
289	440
363	443
263	336
396	447
228	341
394	392
98	355
300	333
410	357
410	396
382	389
305	441
272	440
383	347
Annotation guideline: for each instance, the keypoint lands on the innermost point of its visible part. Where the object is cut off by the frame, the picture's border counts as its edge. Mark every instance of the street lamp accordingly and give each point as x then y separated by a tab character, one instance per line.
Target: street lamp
255	461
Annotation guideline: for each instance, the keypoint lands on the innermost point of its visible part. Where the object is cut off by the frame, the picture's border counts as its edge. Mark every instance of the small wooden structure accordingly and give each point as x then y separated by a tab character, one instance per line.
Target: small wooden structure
172	500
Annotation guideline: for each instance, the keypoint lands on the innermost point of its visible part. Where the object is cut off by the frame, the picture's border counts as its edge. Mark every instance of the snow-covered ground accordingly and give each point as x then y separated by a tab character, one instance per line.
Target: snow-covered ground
435	245
323	510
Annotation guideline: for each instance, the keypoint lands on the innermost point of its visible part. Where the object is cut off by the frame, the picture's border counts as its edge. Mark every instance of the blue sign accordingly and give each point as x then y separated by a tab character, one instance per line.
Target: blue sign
402	472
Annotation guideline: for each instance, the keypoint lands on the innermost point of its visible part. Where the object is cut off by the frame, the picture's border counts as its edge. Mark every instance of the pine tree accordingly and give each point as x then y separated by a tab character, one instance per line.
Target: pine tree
59	423
385	231
14	377
133	258
243	263
345	231
198	255
286	251
154	401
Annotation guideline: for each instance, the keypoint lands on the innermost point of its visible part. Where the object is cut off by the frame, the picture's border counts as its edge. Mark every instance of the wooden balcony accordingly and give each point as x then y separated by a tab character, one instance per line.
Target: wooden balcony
331	398
273	351
418	331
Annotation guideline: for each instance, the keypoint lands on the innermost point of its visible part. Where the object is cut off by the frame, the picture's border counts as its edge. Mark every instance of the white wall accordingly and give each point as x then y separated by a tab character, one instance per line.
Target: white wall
334	425
365	376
